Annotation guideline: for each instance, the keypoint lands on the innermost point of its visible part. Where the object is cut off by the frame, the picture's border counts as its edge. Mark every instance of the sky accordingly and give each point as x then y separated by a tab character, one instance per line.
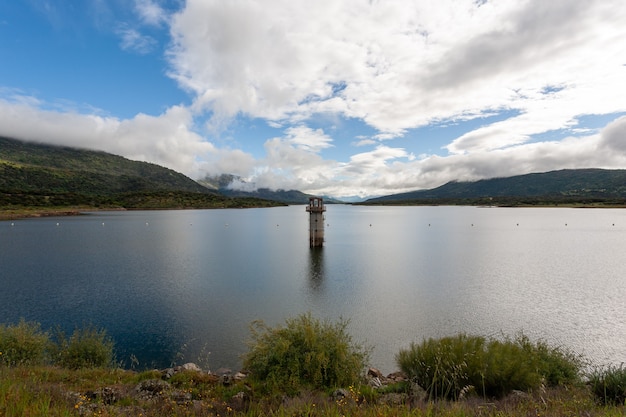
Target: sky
350	99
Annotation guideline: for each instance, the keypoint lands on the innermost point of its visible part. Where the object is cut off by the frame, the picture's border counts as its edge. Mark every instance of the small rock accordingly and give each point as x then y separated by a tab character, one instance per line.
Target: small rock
375	382
397	377
107	395
223	371
191	367
375	373
240	400
239	376
519	394
152	388
167	373
226	379
394	399
340	393
181	397
417	393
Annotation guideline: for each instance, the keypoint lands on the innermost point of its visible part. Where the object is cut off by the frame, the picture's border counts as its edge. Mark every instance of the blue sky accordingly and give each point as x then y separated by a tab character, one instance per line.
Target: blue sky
350	99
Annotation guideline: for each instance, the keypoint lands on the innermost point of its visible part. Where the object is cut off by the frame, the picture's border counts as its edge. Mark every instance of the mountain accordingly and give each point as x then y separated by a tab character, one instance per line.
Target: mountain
568	185
223	184
219	182
34	174
32	167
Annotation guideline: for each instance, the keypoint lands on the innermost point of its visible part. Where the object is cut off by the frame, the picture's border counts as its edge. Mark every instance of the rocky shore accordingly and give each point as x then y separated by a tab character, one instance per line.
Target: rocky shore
160	388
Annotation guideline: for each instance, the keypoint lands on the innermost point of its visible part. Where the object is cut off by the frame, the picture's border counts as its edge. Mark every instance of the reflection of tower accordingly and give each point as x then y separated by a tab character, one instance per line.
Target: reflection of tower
316	211
316	270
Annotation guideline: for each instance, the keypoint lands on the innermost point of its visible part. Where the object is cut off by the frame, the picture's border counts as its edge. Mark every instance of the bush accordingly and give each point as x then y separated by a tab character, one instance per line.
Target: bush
609	385
304	353
23	344
450	366
556	365
86	348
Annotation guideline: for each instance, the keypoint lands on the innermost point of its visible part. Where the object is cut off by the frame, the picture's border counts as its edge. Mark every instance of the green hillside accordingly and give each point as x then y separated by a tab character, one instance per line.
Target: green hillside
37	175
569	186
31	167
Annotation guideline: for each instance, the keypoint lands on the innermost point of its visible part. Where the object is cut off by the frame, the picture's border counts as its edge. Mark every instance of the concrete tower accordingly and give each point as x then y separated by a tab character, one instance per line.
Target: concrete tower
316	211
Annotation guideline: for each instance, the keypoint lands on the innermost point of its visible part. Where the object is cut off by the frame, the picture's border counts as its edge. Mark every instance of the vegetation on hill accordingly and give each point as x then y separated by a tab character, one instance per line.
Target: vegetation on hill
31	167
565	187
43	176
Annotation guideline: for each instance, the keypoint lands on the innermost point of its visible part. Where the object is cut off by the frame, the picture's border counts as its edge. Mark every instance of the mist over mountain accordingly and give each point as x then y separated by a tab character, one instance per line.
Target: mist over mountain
234	186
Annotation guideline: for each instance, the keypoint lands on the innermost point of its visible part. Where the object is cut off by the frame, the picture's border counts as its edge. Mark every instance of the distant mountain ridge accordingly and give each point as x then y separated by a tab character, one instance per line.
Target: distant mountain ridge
589	183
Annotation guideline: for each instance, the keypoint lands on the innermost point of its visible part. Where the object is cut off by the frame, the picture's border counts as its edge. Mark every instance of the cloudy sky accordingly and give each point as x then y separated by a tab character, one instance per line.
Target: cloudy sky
342	98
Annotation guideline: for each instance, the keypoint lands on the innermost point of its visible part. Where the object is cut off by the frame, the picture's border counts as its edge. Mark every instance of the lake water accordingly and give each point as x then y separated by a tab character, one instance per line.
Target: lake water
178	286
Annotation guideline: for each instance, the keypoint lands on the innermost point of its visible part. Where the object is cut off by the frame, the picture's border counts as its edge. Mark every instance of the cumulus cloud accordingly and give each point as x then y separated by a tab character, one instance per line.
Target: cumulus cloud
308	139
395	65
165	139
613	137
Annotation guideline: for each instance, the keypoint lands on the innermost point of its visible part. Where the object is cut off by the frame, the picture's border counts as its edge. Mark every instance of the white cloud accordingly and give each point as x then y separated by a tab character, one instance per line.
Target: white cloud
613	137
132	40
165	139
395	65
308	139
537	66
150	12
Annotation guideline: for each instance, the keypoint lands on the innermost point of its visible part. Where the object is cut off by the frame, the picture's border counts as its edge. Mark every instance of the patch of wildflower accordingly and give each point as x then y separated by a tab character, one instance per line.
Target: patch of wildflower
82	400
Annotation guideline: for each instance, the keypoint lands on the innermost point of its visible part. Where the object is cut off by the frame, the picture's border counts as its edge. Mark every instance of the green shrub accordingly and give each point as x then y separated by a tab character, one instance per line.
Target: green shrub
23	344
509	366
556	365
448	366
609	385
442	366
86	348
305	353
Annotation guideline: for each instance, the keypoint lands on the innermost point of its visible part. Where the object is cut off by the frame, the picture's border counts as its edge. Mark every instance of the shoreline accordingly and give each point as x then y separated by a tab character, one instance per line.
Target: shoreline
31	212
38	212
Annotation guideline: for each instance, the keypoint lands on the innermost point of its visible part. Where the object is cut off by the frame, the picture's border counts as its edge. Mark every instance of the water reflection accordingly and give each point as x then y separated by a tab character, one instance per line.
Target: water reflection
161	280
317	270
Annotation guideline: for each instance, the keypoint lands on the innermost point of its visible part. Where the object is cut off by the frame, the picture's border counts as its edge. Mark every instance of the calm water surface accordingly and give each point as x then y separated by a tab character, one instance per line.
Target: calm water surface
177	286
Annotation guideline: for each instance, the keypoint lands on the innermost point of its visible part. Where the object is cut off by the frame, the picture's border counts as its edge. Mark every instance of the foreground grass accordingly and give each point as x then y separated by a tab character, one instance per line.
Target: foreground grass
54	391
306	368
